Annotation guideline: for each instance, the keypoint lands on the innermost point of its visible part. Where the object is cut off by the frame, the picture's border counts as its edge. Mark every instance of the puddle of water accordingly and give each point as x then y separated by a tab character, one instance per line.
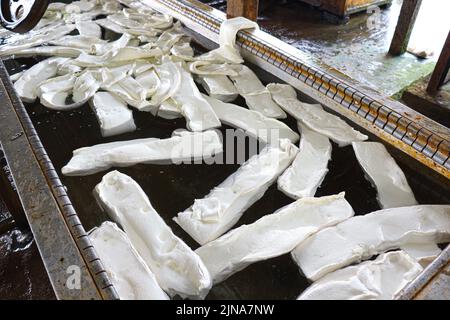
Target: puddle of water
359	48
22	273
4	213
16	240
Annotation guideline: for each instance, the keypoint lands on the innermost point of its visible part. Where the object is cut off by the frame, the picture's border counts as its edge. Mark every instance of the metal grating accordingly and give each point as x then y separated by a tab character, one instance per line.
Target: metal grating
366	107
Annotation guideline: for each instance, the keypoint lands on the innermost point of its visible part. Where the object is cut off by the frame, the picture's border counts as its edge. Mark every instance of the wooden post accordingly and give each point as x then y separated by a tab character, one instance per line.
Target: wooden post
441	70
243	8
405	25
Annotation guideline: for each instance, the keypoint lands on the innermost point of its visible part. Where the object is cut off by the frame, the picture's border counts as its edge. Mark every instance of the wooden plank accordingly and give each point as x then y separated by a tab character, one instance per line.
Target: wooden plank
405	25
441	70
243	8
343	8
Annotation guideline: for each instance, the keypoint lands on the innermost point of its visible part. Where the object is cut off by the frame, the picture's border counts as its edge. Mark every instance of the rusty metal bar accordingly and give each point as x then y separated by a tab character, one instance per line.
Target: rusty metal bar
419	137
60	237
405	129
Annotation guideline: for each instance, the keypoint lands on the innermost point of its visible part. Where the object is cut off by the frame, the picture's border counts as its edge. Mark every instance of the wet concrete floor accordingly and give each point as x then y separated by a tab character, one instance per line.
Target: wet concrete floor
359	48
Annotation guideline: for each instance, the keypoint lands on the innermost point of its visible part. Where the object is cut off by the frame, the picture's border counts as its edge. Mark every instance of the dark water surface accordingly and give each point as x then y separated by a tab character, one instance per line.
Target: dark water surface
22	273
173	188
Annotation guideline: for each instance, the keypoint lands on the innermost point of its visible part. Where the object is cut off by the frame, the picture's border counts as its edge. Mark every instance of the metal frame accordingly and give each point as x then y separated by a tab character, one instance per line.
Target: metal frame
59	234
413	289
419	137
422	138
